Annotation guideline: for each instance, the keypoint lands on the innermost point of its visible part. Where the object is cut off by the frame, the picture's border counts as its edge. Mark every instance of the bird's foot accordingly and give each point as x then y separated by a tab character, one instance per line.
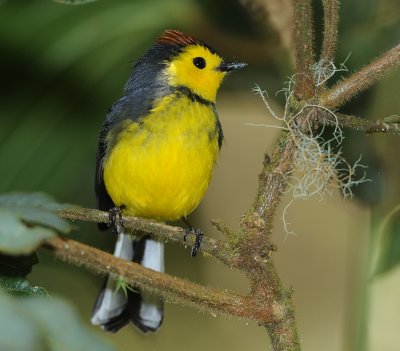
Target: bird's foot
115	220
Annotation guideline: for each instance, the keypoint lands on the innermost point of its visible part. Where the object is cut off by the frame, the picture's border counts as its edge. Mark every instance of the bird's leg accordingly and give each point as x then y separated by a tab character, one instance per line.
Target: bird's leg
115	221
197	232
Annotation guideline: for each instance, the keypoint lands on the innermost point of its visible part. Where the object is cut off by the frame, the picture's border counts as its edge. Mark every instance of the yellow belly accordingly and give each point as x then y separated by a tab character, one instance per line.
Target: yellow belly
161	168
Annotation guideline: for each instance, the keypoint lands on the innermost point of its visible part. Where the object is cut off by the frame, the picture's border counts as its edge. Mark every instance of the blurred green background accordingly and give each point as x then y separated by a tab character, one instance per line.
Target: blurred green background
63	66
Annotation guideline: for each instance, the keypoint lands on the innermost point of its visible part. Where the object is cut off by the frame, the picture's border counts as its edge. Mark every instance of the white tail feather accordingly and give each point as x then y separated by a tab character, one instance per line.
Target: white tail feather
113	302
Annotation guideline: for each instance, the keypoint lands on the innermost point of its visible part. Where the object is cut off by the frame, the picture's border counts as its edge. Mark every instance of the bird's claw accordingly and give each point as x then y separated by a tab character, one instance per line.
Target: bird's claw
199	238
115	220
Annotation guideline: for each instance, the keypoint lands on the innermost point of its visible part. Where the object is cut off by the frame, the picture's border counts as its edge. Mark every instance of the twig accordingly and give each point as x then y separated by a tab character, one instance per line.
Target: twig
274	177
160	231
173	289
331	18
363	125
303	37
360	81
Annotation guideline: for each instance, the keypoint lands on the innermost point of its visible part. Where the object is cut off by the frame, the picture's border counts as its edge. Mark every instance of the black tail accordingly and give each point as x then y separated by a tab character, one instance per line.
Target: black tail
113	309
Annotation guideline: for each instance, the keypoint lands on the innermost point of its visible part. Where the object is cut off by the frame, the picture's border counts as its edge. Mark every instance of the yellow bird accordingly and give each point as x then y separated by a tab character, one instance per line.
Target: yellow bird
158	146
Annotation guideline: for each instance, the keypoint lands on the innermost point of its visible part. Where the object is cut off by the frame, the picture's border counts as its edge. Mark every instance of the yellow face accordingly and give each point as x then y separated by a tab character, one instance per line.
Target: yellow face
196	68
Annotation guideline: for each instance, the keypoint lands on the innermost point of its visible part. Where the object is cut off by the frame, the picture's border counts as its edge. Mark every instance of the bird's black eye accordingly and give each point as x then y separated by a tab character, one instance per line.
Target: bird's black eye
199	62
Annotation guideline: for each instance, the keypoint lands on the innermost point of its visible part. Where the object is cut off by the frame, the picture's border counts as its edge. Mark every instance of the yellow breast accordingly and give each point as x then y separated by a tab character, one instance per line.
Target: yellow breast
160	168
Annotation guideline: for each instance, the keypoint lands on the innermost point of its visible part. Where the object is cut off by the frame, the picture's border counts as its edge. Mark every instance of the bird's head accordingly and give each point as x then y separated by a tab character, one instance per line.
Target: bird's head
194	65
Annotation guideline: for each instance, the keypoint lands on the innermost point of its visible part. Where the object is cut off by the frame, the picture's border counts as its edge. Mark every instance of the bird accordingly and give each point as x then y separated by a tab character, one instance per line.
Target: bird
157	149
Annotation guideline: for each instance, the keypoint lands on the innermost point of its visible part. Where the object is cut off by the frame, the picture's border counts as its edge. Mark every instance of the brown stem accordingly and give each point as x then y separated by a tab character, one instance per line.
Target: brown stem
360	81
171	288
274	177
364	125
160	231
303	37
255	245
331	18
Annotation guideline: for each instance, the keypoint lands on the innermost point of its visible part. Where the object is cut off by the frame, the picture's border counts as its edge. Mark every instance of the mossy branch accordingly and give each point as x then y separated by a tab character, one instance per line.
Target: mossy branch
331	19
361	80
303	37
361	124
173	289
255	246
268	302
273	178
159	231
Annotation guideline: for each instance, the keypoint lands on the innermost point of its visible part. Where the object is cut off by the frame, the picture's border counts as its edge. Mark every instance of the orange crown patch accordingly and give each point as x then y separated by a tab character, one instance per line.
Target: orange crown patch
175	37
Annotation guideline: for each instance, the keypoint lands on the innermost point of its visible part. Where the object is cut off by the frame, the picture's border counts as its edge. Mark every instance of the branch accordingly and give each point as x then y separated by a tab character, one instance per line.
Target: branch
303	37
331	18
274	177
171	288
360	81
160	231
255	246
361	124
269	303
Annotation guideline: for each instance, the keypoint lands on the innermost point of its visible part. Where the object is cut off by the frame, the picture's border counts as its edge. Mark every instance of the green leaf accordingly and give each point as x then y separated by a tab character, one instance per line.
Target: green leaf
27	220
57	317
121	285
389	242
20	286
36	208
34	324
17	237
17	332
17	265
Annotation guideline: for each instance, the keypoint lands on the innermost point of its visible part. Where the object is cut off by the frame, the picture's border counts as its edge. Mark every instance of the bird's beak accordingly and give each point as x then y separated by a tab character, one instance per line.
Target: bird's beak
231	66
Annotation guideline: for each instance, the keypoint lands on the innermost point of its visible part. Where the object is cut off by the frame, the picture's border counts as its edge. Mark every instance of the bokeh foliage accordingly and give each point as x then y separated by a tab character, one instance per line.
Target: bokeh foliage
65	65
